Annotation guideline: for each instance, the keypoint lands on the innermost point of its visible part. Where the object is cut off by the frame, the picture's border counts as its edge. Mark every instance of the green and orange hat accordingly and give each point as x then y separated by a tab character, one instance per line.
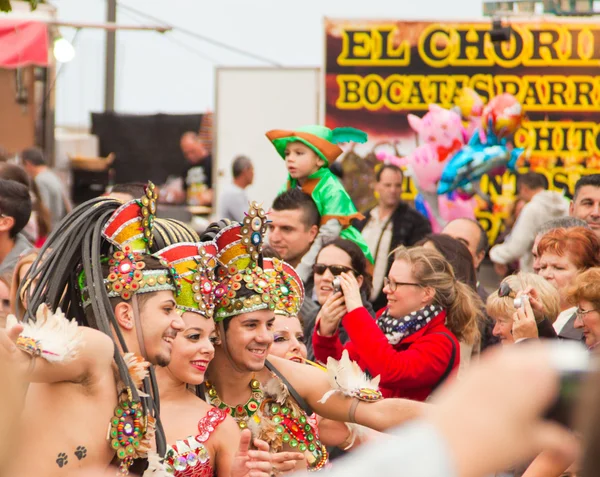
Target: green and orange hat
323	141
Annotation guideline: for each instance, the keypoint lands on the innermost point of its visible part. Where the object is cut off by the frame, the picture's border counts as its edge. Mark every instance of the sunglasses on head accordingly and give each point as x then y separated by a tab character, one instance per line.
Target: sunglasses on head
320	268
506	291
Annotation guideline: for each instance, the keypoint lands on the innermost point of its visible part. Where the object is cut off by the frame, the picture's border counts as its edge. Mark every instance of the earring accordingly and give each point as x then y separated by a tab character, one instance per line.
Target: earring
129	323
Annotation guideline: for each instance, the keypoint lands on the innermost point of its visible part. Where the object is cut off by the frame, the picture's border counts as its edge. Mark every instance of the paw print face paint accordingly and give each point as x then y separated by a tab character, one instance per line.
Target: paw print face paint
62	459
81	452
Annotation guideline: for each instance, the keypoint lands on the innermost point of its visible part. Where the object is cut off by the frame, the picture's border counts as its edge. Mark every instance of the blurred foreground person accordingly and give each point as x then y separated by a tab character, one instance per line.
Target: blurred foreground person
483	424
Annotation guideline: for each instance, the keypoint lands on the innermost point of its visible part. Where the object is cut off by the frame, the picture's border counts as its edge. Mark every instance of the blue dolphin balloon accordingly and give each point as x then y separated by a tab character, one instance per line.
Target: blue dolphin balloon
474	160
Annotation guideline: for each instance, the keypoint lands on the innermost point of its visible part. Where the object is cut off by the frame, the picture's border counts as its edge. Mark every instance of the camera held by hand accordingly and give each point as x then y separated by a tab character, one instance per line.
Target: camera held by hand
519	302
337	286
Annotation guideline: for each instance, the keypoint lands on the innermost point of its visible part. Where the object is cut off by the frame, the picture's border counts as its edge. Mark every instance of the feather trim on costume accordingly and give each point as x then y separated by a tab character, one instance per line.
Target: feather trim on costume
347	134
156	466
346	377
146	444
138	369
52	336
277	390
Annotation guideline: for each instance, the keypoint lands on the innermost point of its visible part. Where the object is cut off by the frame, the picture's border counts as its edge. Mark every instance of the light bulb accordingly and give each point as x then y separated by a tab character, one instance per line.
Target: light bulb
63	50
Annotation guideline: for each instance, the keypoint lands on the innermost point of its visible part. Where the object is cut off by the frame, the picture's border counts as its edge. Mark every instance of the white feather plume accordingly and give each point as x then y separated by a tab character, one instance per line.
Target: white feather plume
58	337
156	466
346	377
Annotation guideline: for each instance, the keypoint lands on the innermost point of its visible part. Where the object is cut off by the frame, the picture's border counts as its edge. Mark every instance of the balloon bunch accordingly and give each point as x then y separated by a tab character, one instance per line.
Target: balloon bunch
445	167
489	150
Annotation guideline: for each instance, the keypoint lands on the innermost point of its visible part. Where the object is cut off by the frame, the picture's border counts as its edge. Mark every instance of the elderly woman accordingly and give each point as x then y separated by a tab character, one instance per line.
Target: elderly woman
544	301
585	295
564	254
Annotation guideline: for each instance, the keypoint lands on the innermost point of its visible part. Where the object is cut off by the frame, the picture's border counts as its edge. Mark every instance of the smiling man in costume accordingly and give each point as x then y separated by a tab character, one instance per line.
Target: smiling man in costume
274	396
96	268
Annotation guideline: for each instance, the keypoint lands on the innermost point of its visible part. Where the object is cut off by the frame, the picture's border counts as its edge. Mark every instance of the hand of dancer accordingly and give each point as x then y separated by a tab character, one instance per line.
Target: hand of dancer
8	339
251	463
285	461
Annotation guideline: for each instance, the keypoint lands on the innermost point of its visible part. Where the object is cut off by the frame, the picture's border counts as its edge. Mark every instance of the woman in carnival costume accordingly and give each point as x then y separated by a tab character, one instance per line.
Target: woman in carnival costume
96	268
289	343
276	397
203	439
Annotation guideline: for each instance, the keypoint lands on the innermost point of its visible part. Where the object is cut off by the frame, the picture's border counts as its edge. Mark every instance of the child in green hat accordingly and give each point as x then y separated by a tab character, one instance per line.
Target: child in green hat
308	152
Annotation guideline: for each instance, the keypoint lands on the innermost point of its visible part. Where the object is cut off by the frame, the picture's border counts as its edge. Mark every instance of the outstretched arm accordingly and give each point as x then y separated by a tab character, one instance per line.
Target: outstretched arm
312	384
94	350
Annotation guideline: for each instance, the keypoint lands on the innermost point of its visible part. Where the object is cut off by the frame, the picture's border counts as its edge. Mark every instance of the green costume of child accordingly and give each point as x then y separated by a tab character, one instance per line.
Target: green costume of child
326	190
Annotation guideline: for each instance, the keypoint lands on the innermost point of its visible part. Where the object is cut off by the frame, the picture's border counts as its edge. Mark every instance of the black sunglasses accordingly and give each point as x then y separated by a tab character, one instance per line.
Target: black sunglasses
506	291
320	268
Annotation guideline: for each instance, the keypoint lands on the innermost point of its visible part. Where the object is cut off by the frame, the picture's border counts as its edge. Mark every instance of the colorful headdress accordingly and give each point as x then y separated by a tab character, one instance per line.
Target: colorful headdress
193	266
288	289
129	229
239	252
323	141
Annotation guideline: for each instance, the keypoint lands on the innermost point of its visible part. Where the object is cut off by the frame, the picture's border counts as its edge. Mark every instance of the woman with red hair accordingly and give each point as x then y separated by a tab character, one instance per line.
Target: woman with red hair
564	254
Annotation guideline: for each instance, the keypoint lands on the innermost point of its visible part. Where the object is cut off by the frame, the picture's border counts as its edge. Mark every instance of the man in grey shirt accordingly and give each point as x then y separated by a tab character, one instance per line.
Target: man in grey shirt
52	191
233	201
15	209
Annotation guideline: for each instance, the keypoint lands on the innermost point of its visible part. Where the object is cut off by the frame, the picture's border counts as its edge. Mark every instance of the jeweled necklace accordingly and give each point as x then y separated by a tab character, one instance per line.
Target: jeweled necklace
241	413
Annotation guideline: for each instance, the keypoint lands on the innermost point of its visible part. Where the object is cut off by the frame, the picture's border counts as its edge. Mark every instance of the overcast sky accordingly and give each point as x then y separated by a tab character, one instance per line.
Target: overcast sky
174	73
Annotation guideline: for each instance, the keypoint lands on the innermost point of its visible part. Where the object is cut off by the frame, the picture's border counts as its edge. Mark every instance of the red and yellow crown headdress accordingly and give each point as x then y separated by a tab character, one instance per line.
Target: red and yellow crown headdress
193	266
129	229
288	289
239	252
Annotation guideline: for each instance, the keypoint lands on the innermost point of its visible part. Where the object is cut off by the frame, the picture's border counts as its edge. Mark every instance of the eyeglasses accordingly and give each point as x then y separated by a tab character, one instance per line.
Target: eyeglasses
320	268
506	291
393	285
580	313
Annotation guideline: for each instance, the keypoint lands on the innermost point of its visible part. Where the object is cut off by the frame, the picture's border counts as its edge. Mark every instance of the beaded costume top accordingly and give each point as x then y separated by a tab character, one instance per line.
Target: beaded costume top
189	457
274	416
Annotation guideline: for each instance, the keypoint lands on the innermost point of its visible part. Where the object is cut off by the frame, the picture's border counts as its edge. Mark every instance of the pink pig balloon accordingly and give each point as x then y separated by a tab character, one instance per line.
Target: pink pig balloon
441	134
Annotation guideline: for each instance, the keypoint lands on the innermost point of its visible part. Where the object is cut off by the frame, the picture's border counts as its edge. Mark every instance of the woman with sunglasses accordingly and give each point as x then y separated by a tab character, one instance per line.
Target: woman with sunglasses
543	300
413	345
336	257
289	343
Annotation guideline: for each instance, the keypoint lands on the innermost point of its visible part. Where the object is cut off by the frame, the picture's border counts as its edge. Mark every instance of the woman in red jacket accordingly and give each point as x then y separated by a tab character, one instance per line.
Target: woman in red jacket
413	344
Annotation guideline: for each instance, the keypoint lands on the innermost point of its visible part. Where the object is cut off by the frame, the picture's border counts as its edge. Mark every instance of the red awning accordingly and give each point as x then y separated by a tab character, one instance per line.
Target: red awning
23	43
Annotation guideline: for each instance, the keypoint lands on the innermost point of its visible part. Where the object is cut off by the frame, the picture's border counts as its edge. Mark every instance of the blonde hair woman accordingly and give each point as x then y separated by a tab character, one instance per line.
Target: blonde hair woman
414	342
544	301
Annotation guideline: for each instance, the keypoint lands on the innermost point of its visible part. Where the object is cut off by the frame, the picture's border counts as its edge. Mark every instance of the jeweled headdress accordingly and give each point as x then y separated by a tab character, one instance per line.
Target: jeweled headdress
239	253
193	266
129	229
288	289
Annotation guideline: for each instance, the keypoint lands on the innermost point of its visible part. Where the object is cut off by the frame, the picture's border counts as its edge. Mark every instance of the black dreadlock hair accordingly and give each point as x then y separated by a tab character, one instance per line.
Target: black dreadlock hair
167	232
213	229
77	245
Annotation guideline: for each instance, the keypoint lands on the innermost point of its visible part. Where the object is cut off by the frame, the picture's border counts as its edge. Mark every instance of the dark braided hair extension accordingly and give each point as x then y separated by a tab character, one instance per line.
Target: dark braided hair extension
167	232
75	246
213	229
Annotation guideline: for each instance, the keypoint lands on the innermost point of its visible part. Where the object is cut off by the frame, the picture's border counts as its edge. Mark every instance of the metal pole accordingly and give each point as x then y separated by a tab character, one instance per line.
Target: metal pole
111	52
